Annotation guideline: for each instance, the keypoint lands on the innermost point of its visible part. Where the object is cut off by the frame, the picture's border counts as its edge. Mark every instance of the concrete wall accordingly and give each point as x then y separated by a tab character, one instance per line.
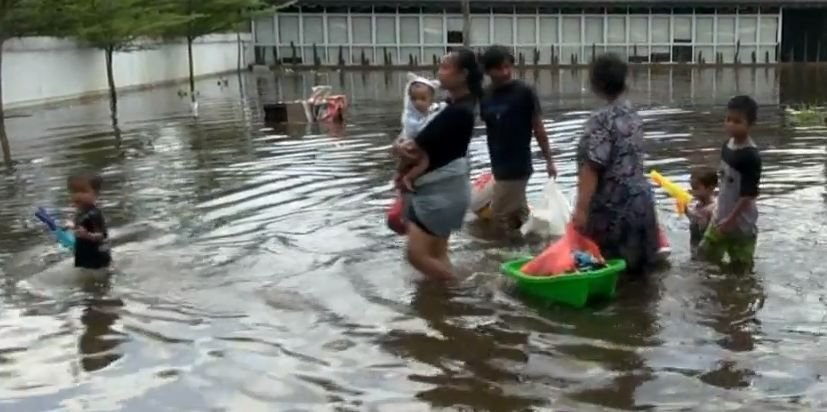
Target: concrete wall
43	69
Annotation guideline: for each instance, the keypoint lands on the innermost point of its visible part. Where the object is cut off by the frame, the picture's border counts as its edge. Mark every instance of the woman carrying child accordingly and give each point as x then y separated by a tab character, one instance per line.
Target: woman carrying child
436	207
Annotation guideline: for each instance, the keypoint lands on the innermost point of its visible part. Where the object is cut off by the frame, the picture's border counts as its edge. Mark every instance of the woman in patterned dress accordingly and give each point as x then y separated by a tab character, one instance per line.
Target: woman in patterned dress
615	206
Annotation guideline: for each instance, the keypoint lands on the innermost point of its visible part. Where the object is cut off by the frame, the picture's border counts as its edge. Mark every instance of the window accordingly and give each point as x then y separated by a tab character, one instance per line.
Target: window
264	30
360	53
289	29
705	30
639	29
503	30
361	29
432	55
594	30
385	30
455	30
526	31
766	54
660	29
571	29
548	30
409	30
313	30
617	29
432	30
337	30
769	30
726	30
570	55
480	30
683	28
410	55
748	29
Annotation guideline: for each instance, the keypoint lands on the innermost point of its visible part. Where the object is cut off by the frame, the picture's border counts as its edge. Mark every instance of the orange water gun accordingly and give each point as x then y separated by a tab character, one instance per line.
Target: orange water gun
681	196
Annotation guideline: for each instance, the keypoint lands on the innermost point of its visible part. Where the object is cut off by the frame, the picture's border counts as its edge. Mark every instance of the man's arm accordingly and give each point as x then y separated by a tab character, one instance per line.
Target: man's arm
541	135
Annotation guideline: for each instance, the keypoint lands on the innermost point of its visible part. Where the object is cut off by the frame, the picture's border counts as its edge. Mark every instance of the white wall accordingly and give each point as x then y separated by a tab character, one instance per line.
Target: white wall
44	69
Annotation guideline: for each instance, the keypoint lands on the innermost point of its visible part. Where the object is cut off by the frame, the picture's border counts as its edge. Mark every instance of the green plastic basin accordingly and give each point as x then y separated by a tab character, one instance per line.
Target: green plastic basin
574	289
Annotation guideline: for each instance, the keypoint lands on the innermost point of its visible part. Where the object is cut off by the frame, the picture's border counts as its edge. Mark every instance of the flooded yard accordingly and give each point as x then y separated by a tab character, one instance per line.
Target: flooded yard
255	272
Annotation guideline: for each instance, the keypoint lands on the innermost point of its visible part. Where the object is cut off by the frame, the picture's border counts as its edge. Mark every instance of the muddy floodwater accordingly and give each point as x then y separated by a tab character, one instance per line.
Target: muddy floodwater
255	273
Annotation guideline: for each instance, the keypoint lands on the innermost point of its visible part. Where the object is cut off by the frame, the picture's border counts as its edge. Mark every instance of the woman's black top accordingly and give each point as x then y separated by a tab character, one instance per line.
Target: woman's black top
447	136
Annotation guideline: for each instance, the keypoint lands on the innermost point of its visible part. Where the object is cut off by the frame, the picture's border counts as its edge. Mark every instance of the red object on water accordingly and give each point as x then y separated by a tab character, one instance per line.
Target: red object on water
394	217
558	258
663	242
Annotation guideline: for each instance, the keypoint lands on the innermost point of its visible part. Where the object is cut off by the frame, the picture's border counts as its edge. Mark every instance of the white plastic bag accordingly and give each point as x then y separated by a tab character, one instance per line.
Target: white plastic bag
551	215
481	194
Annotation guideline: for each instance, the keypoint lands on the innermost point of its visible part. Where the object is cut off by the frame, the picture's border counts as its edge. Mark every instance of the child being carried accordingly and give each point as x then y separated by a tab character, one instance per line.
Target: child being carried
419	108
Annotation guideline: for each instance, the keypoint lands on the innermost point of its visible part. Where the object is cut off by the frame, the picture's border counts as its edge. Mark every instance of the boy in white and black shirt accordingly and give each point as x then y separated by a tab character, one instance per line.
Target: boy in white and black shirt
734	229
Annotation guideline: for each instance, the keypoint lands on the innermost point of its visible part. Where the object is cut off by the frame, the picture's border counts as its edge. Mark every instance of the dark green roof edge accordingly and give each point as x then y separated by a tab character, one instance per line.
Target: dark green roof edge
574	3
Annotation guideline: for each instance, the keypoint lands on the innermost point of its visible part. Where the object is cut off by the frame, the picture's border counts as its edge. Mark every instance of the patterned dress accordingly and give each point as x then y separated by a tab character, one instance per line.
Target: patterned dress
622	216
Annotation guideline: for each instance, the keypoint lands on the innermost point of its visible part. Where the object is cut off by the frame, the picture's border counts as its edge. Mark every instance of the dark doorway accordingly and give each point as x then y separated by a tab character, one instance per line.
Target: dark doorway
803	38
454	37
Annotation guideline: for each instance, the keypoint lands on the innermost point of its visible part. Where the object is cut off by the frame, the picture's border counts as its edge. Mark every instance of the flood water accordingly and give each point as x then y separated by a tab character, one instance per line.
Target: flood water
255	273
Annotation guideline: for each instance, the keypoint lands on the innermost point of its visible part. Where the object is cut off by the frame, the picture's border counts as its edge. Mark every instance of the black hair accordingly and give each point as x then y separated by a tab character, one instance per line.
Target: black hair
93	180
607	75
496	56
466	60
706	176
744	105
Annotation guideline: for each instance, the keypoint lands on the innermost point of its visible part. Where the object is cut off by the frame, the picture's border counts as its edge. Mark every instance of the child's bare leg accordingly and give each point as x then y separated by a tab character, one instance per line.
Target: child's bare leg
417	170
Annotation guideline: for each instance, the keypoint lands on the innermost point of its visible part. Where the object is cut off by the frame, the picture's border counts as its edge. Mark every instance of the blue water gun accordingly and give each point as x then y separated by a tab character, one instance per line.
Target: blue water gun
63	237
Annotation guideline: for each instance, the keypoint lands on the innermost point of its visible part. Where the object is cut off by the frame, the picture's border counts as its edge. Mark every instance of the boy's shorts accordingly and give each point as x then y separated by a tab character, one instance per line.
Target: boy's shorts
740	248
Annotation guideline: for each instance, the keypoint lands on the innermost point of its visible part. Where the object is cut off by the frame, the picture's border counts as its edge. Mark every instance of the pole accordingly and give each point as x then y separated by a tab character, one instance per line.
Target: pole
466	23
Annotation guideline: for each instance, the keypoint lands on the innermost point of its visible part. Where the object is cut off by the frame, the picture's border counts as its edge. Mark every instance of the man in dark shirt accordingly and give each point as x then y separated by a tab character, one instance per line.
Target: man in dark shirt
512	114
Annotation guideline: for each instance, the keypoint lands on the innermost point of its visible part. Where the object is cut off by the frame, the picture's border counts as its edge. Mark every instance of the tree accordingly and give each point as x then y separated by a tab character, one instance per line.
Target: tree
202	17
117	26
17	17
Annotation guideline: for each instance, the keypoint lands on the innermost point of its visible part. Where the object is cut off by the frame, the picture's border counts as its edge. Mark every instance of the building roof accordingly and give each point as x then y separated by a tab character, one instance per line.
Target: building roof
574	3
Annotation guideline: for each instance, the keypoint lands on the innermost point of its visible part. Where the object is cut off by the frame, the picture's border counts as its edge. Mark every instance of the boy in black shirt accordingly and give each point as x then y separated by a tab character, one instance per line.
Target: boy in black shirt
734	229
512	114
91	237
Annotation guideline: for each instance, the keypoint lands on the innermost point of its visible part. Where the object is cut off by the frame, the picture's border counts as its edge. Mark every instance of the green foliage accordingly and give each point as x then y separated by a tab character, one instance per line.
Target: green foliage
807	115
115	25
202	17
27	17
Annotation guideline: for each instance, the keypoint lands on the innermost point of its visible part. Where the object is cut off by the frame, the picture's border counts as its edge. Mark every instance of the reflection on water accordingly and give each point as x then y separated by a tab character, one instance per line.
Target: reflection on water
254	271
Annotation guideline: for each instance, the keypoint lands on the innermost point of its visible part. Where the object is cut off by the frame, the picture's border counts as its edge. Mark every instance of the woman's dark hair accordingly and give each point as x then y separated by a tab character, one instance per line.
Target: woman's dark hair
496	56
608	75
706	176
466	60
746	106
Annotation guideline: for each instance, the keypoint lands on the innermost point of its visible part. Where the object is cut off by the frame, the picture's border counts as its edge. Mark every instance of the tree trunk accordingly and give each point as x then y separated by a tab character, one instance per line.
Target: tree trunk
193	97
238	45
238	71
192	69
113	93
4	139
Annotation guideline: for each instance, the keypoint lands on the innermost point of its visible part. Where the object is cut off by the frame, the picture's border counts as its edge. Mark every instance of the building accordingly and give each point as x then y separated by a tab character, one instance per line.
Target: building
416	33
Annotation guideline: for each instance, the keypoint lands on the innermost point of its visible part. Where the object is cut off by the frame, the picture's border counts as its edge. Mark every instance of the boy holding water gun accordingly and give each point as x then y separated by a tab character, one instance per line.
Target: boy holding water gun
91	236
734	229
